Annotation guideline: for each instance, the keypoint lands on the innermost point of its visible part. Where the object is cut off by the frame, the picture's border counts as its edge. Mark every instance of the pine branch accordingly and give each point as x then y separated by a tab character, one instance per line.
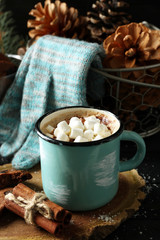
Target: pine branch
10	38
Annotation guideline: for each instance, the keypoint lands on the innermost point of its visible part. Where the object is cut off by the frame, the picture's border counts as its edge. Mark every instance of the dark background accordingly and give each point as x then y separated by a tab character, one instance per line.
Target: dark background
140	10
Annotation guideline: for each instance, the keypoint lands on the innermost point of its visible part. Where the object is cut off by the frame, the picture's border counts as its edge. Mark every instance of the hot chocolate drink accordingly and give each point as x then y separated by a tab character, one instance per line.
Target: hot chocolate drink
81	128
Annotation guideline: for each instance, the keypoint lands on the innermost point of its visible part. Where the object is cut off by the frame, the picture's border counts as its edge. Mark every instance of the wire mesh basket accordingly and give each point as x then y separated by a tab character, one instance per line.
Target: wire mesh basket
133	94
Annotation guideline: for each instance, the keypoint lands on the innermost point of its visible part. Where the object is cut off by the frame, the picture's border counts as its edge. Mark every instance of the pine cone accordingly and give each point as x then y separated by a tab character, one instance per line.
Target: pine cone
132	45
105	18
56	19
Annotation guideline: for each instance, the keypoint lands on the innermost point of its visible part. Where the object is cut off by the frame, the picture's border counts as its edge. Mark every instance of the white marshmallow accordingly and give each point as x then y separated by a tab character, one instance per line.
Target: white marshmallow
89	134
56	131
64	127
92	130
62	136
89	124
76	132
74	119
74	123
107	134
49	135
92	118
99	129
98	137
50	129
80	139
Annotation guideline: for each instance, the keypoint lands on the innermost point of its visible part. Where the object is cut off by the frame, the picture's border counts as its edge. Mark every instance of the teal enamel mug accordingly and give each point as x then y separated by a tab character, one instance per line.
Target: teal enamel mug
84	175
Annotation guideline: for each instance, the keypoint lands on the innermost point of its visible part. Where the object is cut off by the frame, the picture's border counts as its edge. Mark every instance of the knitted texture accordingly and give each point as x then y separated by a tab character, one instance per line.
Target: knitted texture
53	73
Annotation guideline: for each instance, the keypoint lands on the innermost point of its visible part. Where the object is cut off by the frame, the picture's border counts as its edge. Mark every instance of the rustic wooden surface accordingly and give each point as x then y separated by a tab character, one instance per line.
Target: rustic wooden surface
88	225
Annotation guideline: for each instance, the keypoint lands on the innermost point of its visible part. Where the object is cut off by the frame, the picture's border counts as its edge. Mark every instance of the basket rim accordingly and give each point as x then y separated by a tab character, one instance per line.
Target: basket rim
104	73
131	69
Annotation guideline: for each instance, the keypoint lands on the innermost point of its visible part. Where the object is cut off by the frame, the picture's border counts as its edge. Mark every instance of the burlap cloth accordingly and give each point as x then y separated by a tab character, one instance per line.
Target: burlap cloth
93	225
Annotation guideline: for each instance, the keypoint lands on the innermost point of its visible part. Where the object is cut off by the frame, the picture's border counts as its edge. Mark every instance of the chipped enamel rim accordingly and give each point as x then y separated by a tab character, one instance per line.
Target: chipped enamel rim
56	112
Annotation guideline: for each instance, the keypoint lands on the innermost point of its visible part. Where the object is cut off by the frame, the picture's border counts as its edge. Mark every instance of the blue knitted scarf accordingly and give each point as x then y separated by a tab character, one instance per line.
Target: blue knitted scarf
55	72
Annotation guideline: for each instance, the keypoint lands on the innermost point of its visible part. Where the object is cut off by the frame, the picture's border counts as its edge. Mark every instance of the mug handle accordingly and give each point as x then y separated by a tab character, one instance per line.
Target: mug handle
139	155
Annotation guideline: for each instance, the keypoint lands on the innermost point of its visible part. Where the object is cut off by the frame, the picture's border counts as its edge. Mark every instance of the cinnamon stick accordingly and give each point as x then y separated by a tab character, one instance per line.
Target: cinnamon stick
59	213
12	177
67	217
49	225
2	200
